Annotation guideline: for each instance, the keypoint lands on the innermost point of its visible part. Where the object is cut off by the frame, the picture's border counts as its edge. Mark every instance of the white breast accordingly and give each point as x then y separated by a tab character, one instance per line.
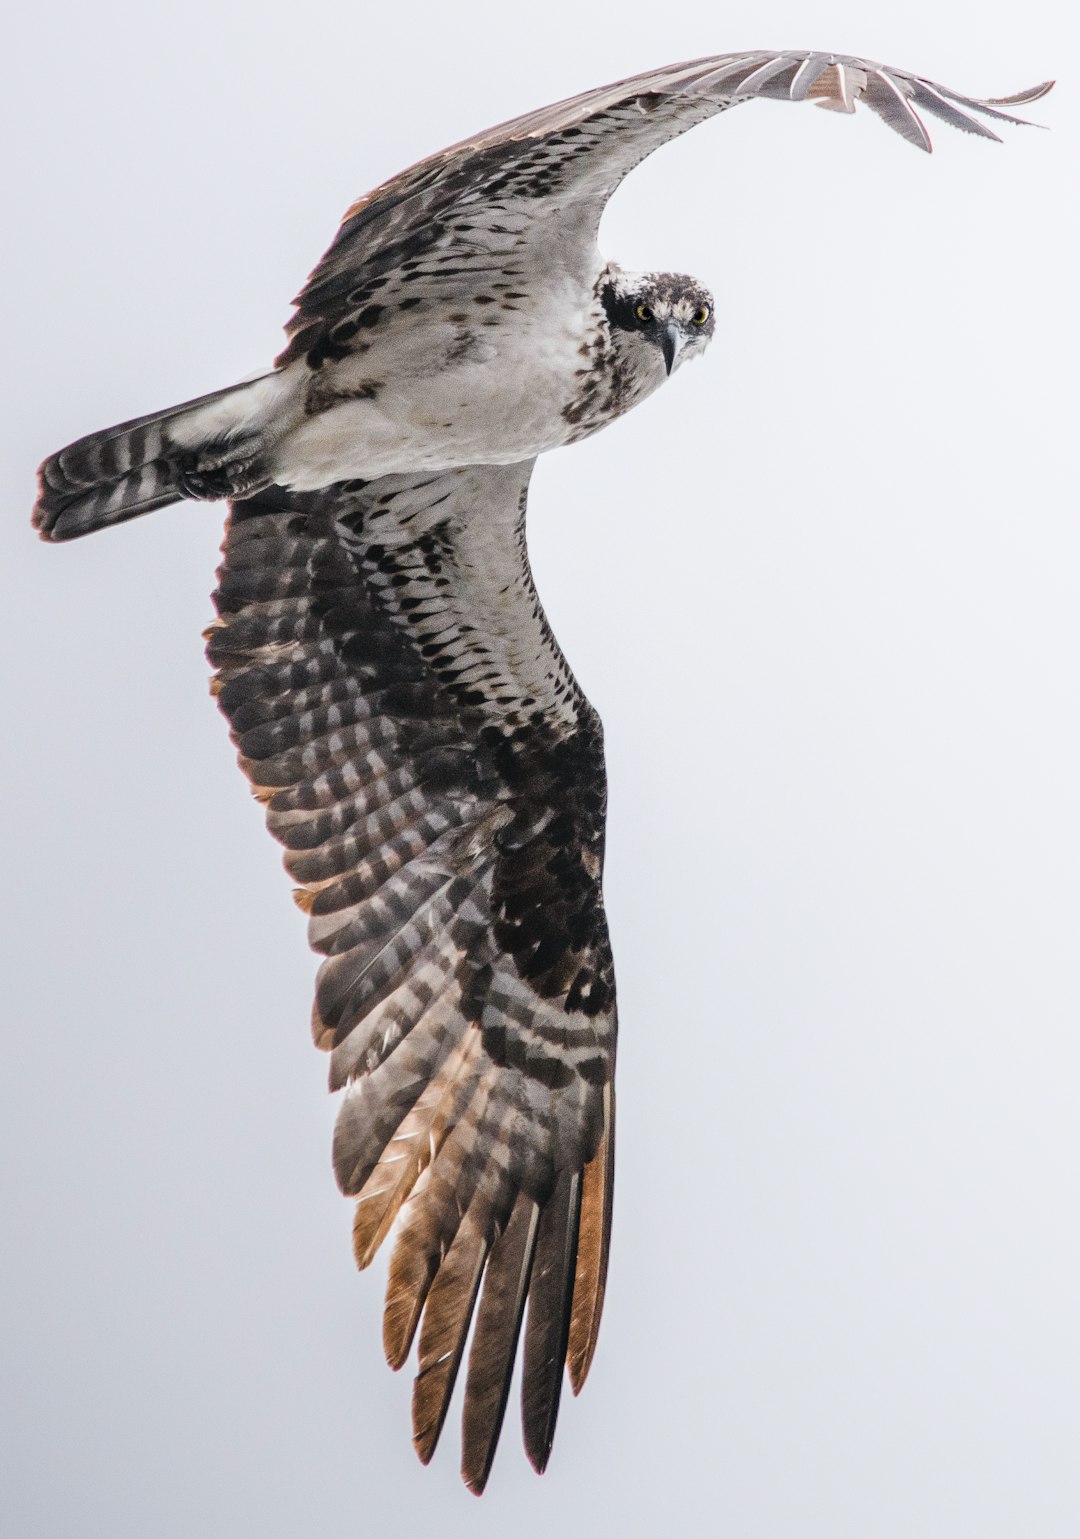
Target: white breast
478	384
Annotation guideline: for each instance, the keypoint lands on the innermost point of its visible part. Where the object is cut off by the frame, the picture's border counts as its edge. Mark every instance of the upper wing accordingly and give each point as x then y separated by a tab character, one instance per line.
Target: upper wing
526	197
437	778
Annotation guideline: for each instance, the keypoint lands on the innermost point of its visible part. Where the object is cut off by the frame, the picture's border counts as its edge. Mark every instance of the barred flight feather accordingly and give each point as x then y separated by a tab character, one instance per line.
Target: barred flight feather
436	779
547	1325
495	1339
594	1245
446	1324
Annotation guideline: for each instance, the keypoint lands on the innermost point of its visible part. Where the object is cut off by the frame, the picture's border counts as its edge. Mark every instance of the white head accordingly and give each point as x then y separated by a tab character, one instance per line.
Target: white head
669	314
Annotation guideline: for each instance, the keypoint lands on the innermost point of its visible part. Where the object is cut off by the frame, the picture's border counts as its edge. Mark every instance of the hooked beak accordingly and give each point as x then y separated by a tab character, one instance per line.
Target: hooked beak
671	344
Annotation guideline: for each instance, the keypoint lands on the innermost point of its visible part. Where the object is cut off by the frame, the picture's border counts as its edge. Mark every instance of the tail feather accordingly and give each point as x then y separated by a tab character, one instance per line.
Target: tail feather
134	467
60	515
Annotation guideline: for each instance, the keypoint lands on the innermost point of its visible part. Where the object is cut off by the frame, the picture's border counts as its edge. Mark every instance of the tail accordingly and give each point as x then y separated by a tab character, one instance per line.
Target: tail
208	448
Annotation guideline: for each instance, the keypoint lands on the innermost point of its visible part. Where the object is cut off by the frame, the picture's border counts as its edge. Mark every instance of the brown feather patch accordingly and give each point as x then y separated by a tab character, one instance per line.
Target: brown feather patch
446	1324
494	1344
594	1244
548	1322
406	1157
433	1216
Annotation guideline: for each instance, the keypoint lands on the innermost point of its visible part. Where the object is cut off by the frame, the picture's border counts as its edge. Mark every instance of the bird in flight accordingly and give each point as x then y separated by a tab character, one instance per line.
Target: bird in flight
405	715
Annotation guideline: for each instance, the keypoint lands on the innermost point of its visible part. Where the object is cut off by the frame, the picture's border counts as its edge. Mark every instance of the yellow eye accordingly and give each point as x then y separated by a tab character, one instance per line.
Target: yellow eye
700	315
643	312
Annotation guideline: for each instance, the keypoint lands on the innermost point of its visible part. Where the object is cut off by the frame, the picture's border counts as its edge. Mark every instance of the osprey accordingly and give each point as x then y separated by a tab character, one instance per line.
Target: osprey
403	711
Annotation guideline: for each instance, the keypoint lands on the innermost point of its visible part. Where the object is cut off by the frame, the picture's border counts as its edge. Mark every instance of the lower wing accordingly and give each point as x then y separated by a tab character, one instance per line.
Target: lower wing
437	779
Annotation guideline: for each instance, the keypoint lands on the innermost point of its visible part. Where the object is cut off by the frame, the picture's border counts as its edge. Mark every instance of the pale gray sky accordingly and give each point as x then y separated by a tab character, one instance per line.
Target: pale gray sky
823	590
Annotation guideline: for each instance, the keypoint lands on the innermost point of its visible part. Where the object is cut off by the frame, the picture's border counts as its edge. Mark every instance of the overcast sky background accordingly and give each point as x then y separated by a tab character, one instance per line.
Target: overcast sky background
824	592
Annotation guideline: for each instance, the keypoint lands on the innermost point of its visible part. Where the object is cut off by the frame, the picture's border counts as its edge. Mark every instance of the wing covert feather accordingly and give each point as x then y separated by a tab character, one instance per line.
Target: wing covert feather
524	199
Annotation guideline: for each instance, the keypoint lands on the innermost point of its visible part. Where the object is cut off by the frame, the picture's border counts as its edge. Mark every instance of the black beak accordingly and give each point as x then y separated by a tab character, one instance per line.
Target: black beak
671	341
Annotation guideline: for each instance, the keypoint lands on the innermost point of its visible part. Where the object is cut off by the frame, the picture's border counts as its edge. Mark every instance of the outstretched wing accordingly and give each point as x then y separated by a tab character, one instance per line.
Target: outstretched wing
525	198
437	778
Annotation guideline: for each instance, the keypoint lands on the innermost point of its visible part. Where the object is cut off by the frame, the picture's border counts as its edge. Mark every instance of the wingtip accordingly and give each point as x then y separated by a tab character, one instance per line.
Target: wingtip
475	1473
991	106
1023	98
425	1444
477	1459
538	1454
539	1434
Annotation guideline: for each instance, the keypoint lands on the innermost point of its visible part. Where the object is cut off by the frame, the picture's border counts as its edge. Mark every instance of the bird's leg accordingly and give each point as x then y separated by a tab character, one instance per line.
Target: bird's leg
206	475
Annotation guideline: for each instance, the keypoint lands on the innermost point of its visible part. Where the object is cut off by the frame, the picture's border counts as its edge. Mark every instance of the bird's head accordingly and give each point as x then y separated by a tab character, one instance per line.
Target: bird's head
670	312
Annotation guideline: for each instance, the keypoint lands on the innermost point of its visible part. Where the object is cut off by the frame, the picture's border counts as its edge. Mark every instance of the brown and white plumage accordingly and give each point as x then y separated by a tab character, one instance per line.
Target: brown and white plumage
402	709
446	323
436	777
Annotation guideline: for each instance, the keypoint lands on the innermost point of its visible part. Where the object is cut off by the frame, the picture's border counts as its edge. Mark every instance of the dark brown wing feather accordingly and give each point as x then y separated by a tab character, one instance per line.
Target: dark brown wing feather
547	1324
525	198
494	1345
436	777
446	1323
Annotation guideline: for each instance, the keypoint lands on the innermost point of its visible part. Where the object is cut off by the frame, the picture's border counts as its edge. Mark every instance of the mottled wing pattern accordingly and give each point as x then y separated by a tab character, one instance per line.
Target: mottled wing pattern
437	779
513	201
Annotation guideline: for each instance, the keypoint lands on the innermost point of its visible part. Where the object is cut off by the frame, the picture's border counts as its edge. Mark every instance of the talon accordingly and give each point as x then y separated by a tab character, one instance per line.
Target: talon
210	483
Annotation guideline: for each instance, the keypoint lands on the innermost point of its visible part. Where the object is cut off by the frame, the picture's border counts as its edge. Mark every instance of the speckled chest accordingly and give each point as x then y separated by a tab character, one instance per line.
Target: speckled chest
608	381
496	377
